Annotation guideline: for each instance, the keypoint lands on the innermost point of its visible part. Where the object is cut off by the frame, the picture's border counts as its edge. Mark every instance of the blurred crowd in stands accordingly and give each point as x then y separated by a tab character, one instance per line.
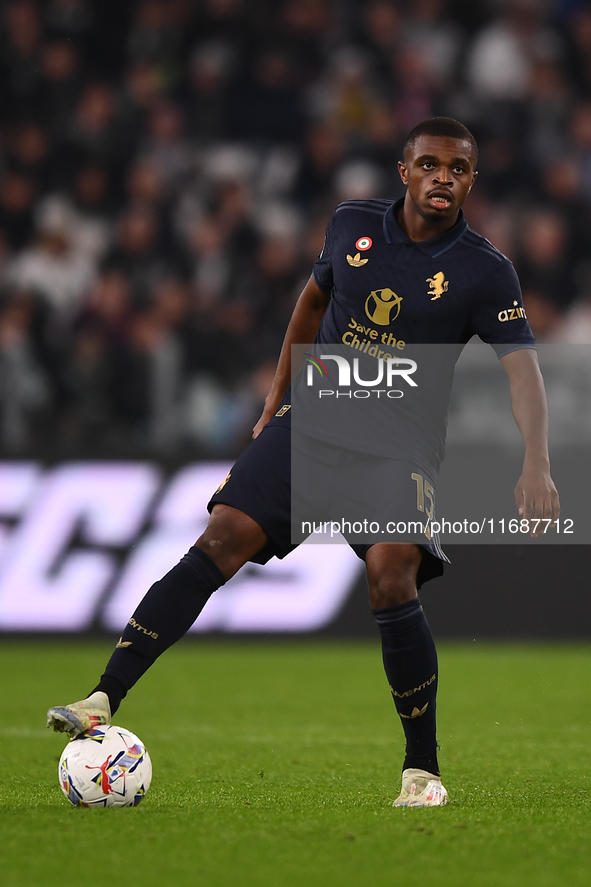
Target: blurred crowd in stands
167	169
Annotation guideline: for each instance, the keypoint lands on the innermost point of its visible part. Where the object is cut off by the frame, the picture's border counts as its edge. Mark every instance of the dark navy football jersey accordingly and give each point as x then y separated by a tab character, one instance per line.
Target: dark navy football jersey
389	297
443	290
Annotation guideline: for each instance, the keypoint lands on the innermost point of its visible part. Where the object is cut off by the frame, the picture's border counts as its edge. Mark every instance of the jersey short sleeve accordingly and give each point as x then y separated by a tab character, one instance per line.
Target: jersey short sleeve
498	316
322	270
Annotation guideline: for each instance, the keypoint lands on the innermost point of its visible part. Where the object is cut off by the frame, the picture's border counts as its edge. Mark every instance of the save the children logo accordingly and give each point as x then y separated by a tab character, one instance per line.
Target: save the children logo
383	306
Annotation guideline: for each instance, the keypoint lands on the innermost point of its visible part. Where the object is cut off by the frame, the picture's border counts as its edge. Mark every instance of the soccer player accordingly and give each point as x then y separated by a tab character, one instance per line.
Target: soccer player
406	272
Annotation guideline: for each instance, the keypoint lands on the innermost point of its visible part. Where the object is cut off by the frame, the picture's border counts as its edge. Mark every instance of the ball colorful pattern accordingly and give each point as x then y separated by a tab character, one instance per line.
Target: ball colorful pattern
105	767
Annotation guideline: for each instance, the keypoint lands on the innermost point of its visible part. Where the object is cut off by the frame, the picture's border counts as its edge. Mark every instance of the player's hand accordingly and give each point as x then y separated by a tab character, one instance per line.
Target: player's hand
266	415
536	497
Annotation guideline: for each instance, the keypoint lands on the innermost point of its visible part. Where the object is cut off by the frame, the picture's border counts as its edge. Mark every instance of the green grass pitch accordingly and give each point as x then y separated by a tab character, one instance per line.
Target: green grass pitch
275	765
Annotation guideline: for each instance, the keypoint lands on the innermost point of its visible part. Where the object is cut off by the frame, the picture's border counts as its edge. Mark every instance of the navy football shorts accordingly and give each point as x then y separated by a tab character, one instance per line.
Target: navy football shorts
259	485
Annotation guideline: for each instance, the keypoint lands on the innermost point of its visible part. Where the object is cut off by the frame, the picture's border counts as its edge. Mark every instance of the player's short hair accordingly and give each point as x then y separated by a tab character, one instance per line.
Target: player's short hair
440	126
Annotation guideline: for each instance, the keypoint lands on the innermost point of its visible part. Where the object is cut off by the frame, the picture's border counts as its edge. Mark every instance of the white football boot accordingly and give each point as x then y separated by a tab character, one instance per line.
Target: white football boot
78	717
421	789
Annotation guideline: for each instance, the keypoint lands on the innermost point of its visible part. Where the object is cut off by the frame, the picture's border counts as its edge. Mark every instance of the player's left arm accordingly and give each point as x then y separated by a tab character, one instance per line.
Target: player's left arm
535	493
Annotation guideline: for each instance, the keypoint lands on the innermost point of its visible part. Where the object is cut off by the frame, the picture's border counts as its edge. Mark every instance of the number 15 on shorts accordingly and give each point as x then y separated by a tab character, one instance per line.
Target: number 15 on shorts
425	495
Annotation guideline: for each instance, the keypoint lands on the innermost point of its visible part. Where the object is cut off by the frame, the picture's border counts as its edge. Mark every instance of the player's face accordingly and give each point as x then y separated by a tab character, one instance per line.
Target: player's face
439	173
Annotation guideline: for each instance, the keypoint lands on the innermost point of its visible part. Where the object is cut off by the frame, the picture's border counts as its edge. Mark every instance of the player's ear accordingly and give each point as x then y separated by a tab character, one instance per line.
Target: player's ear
403	170
474	174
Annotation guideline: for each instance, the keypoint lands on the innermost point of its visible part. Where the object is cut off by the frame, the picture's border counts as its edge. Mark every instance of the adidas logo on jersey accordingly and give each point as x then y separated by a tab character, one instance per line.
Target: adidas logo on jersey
356	261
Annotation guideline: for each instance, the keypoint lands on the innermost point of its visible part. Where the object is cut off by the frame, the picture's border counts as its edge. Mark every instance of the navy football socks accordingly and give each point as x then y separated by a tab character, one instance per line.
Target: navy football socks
410	662
166	613
173	604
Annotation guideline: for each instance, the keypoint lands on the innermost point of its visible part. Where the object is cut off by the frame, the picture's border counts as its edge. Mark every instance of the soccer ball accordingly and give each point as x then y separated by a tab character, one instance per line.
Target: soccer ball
105	767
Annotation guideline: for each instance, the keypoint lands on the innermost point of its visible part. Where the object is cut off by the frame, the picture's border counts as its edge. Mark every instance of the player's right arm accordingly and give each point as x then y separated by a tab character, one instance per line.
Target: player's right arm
303	326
